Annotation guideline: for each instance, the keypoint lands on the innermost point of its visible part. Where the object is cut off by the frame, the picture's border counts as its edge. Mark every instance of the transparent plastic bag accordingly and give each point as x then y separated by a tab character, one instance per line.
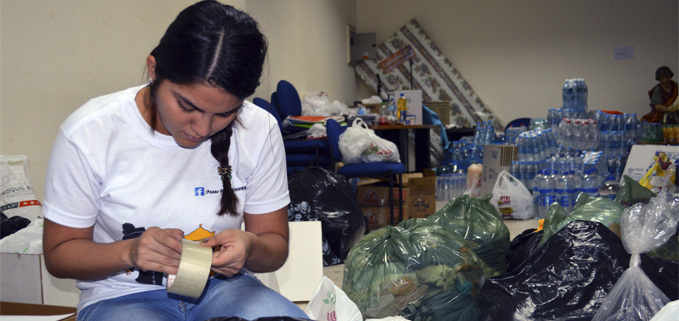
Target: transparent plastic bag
644	228
511	198
354	141
419	270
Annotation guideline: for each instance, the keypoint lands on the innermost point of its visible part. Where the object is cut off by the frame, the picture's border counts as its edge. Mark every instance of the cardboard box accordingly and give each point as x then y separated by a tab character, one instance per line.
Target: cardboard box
641	158
441	108
24	309
26	280
378	216
371	195
421	200
414	98
496	158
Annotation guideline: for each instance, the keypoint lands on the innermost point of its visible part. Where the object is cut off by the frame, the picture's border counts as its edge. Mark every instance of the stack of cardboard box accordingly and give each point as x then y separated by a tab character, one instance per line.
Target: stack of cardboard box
418	198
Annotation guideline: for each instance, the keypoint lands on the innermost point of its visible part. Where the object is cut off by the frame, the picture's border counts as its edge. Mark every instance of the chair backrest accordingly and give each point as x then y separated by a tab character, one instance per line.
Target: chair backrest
518	122
268	107
274	100
289	103
261	102
334	130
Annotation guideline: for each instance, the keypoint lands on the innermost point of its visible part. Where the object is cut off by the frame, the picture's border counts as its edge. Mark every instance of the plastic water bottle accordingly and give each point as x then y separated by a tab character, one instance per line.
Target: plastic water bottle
568	94
536	193
590	182
568	191
515	170
547	192
610	188
577	186
632	126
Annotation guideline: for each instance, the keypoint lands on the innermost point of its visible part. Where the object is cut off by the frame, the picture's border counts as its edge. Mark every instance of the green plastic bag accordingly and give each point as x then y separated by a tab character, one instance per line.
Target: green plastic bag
476	220
631	192
419	270
587	208
555	215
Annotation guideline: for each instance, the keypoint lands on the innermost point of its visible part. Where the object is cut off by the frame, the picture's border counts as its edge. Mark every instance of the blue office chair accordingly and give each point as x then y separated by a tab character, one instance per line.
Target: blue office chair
518	123
288	103
300	153
375	170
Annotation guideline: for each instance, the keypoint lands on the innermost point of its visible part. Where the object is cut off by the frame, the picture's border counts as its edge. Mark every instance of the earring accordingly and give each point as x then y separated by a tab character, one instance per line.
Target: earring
150	80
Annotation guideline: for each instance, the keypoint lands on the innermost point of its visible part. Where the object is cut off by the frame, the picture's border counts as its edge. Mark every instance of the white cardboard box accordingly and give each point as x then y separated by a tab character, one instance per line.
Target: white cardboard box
496	158
641	158
24	279
301	273
414	98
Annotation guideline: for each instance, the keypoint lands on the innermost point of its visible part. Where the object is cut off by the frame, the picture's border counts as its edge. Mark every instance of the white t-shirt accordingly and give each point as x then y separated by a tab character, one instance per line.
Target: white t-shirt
110	170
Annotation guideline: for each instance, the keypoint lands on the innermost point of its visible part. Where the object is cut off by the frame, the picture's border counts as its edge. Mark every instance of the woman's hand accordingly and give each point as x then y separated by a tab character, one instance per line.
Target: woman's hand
235	249
157	250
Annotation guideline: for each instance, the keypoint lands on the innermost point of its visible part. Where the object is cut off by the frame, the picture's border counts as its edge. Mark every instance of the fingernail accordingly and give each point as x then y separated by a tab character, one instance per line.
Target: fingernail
203	241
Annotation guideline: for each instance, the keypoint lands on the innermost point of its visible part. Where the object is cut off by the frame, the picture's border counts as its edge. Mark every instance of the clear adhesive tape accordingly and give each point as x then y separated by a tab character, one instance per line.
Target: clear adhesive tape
194	269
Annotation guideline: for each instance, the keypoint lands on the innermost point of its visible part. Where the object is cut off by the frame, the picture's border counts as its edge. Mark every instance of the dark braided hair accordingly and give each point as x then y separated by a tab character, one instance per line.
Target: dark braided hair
214	44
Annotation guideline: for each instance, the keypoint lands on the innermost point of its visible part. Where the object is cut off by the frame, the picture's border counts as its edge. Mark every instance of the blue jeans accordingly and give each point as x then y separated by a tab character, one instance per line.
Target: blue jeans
241	295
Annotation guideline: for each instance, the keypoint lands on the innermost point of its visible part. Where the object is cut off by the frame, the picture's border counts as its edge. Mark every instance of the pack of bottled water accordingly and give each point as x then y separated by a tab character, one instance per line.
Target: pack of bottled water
450	185
575	94
555	115
581	134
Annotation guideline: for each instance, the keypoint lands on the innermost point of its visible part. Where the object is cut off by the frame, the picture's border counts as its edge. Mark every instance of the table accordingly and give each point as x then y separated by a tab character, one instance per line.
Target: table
398	134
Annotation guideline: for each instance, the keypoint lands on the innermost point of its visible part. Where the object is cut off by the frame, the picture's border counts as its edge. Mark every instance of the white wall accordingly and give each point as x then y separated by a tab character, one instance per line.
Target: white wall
57	54
517	54
307	46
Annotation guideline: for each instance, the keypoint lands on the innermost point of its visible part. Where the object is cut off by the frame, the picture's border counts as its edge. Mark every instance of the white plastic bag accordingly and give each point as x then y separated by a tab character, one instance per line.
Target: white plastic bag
354	141
317	131
380	150
17	195
644	228
474	173
511	198
27	240
668	313
330	303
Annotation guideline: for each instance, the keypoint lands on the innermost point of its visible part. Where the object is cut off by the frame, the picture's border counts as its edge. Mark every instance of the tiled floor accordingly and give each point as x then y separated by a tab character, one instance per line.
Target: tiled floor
336	272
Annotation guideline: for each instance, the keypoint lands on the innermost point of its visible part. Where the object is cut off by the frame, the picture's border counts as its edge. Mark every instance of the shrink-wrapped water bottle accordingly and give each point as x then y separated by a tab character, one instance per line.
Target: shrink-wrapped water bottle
609	188
590	183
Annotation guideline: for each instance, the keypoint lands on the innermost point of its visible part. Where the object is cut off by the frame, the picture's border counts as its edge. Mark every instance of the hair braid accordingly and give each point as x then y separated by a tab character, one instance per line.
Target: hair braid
220	151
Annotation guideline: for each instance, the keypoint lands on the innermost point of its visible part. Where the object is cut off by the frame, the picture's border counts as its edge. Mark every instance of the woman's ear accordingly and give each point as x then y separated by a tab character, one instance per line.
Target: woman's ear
151	66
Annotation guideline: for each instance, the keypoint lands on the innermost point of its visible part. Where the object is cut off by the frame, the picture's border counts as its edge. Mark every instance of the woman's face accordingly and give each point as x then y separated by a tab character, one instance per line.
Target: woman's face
193	113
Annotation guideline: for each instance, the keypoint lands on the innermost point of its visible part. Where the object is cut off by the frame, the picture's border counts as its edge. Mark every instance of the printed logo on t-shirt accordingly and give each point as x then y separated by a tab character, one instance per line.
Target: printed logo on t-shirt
200	191
145	277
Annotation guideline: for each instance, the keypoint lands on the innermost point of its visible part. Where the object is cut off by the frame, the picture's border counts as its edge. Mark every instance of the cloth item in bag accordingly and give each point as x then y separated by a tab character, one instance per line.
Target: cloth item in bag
477	221
317	194
330	303
644	227
511	198
419	270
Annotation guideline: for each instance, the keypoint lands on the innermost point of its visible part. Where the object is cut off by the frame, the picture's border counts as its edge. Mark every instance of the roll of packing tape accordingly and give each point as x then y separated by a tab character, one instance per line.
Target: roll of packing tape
194	269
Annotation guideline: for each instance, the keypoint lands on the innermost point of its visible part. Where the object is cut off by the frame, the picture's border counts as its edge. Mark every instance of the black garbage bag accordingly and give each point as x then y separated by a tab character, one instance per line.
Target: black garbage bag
317	194
521	247
9	226
567	278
